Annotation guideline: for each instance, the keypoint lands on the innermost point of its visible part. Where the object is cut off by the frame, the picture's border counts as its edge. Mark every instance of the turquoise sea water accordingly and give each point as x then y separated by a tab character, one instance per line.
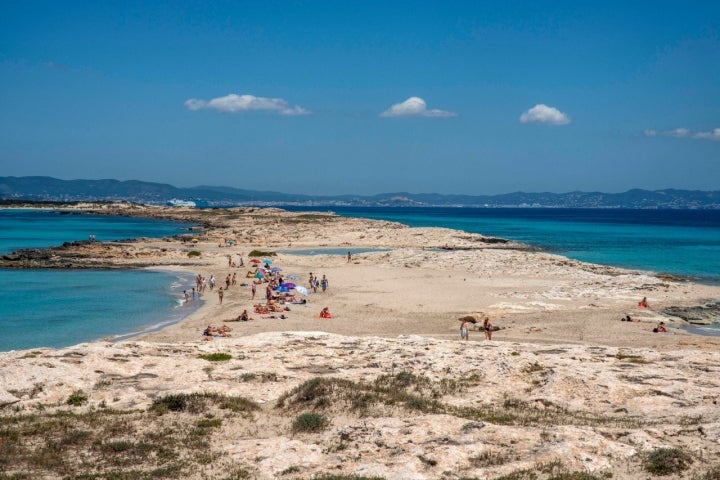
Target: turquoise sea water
61	308
57	308
679	242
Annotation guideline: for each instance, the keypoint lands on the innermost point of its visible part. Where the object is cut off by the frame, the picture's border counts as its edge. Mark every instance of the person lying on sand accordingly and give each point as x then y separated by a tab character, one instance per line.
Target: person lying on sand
243	317
210	332
660	328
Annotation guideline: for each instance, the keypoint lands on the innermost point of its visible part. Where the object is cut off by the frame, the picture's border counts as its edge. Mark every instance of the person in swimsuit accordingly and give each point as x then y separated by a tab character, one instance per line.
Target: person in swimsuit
487	326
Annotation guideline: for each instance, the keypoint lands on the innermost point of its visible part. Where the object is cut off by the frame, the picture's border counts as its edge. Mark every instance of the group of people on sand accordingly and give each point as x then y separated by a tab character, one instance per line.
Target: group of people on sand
211	332
660	328
465	328
314	283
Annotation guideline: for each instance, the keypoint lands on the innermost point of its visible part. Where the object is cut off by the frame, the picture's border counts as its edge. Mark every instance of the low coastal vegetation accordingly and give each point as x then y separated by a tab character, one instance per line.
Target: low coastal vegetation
261	253
185	435
216	357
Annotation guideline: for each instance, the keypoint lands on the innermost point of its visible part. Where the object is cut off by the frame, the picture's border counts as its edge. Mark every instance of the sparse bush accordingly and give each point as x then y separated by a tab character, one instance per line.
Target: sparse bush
665	461
290	470
210	423
193	403
77	398
524	474
310	422
194	253
489	459
577	476
216	357
260	253
237	404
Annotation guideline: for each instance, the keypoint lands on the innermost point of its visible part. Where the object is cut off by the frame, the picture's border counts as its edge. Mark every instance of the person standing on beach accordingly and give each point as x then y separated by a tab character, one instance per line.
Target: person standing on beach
227	282
349	257
253	289
234	278
220	294
487	326
324	283
212	282
464	335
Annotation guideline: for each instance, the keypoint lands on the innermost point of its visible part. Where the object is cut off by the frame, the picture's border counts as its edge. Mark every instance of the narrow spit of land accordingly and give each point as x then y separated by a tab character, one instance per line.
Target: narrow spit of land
385	388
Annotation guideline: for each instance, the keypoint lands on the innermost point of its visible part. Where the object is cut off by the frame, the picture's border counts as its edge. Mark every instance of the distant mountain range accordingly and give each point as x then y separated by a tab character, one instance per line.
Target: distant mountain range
54	190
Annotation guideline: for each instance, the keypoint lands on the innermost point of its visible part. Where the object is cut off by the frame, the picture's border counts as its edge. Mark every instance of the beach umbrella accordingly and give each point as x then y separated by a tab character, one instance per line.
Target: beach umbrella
301	290
259	274
254	260
267	261
276	269
282	288
289	285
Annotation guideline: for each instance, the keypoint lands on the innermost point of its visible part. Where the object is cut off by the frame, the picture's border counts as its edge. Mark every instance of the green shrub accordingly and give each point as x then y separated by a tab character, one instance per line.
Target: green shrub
209	422
77	398
194	253
260	253
193	403
310	422
216	357
664	461
237	404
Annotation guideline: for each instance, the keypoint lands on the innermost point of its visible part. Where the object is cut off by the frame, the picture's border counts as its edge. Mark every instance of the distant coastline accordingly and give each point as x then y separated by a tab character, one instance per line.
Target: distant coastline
48	189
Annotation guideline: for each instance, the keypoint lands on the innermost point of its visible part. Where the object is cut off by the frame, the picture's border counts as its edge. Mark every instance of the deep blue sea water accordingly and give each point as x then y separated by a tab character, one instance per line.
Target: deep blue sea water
57	308
679	242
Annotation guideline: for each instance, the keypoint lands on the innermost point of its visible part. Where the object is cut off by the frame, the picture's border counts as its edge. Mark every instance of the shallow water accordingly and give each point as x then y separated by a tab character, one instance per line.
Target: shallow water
58	308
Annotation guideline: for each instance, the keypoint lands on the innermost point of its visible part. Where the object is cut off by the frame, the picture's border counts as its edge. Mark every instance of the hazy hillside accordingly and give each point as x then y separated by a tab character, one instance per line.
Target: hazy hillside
52	189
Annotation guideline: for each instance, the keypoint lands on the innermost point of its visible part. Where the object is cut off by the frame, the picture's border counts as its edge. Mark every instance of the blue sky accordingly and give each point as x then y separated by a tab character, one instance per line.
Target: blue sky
331	97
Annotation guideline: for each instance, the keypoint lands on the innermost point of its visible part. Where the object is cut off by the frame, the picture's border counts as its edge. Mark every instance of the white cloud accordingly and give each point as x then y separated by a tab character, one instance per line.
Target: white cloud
680	132
546	115
713	134
415	107
246	103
